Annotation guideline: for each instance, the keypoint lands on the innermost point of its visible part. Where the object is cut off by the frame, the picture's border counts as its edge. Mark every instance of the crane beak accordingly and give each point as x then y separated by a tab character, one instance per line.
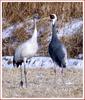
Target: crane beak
49	19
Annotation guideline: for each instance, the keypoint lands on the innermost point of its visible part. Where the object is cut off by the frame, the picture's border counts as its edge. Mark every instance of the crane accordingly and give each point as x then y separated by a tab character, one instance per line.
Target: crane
57	50
26	50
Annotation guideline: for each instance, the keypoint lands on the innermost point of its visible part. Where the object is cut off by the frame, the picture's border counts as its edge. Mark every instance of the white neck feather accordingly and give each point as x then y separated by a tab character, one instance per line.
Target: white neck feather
34	37
53	22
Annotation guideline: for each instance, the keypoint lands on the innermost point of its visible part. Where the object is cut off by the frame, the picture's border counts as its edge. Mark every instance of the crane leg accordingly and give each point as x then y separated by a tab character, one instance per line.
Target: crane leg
62	70
55	69
62	75
21	82
25	72
55	73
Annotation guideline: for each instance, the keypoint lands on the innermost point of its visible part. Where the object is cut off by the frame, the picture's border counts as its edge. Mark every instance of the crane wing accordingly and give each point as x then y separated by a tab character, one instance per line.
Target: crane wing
57	53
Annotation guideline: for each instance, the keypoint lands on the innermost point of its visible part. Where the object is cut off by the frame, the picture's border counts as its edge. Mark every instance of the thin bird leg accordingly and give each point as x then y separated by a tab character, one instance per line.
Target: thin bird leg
62	75
25	72
21	82
55	72
62	70
55	69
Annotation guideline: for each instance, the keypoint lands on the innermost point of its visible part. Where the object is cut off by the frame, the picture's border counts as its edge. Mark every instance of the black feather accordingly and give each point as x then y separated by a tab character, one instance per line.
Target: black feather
17	63
52	16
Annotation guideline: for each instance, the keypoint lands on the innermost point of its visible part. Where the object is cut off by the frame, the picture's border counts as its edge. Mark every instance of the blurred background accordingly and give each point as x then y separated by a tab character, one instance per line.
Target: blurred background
18	26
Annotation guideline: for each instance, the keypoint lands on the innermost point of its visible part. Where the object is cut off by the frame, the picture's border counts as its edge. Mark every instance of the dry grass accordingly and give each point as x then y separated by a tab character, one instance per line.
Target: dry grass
17	11
42	83
20	35
74	44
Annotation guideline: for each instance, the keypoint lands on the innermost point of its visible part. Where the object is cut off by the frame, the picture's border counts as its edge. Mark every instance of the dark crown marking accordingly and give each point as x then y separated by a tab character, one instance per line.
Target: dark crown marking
52	16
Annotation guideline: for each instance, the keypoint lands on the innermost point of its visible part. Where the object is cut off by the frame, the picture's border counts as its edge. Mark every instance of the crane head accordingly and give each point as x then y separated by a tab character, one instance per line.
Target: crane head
53	18
36	16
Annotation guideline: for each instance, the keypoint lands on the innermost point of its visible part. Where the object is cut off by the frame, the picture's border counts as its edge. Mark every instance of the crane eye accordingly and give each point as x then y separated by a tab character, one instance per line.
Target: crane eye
52	16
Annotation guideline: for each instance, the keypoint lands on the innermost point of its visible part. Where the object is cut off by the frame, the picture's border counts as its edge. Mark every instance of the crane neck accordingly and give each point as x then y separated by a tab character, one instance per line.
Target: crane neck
34	37
54	31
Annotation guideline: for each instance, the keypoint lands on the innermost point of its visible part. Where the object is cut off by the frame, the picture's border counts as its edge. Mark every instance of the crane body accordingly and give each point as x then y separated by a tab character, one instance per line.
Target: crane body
25	51
56	49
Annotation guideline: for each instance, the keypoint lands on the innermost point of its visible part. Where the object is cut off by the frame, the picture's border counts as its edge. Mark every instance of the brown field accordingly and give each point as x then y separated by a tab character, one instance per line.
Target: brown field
43	83
18	11
22	12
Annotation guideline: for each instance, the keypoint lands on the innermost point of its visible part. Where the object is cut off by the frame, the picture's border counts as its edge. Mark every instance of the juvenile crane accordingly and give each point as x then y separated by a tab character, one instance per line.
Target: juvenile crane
56	49
25	51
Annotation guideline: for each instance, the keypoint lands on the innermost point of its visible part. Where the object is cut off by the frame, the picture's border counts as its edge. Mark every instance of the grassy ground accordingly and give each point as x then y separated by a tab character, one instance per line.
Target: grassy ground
43	83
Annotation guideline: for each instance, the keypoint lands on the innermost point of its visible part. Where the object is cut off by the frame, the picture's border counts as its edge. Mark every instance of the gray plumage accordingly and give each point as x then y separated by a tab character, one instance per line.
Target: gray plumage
26	50
56	49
